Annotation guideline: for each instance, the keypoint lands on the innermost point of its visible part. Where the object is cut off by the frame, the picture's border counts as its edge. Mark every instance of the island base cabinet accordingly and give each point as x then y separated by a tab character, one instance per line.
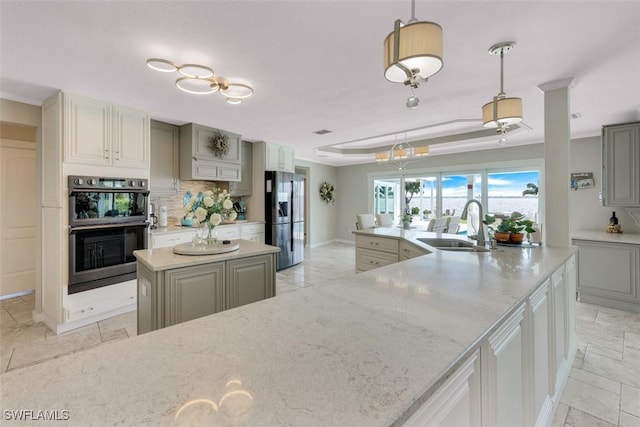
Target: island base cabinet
149	314
456	403
250	280
503	387
176	295
194	292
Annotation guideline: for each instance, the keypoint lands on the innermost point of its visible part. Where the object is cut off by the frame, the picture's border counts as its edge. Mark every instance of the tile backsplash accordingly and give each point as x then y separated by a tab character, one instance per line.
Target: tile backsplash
173	201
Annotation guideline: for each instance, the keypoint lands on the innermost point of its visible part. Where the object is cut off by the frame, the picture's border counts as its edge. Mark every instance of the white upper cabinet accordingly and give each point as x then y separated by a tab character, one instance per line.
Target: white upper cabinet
279	158
98	133
621	165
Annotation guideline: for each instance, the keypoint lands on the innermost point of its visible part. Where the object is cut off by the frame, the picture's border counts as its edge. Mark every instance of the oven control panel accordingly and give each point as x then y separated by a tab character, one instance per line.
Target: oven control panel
92	182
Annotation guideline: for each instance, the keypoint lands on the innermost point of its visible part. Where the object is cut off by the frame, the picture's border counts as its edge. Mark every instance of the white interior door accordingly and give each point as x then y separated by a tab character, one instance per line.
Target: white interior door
17	216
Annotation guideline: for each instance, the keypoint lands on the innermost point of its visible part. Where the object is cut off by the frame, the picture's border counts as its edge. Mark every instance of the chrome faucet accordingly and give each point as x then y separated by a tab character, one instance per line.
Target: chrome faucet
481	241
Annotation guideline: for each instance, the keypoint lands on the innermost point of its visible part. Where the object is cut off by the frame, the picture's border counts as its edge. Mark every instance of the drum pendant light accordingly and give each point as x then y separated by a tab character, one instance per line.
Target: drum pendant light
501	111
413	52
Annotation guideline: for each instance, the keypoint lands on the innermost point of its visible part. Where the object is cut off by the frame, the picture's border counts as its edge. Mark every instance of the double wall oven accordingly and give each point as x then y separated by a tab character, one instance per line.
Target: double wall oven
107	222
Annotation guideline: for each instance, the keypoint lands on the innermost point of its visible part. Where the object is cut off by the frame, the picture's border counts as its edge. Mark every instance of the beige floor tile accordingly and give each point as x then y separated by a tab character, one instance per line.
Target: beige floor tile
577	418
620	319
632	340
595	380
6	320
628	420
586	312
592	400
631	356
630	400
55	345
113	327
560	415
21	312
604	351
615	370
603	336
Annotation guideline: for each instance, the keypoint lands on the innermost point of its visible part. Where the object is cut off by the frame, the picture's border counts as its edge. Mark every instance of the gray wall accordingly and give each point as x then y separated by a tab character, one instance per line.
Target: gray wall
587	212
322	217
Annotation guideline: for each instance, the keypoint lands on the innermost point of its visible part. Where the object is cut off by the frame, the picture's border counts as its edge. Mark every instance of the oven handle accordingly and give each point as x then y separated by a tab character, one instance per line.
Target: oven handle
74	191
103	226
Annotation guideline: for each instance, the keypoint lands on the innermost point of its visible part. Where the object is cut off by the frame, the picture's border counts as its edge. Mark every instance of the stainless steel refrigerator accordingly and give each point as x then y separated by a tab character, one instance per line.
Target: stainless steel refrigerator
284	216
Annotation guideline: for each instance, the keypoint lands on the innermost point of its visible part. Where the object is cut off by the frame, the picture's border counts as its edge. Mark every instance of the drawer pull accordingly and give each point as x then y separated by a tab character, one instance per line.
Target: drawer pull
374	243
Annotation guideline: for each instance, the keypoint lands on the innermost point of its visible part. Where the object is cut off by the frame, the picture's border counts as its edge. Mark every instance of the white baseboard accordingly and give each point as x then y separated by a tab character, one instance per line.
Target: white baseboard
17	294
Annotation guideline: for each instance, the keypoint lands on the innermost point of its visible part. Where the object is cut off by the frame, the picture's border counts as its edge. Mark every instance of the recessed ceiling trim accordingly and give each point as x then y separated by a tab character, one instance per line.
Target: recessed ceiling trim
481	134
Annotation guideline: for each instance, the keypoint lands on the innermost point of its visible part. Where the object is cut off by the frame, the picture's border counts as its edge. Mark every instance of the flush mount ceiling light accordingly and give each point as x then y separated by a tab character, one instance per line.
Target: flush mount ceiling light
200	80
412	51
402	153
502	111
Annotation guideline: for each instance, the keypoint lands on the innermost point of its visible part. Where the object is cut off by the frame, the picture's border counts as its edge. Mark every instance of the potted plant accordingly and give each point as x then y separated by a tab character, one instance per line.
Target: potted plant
406	221
502	231
519	225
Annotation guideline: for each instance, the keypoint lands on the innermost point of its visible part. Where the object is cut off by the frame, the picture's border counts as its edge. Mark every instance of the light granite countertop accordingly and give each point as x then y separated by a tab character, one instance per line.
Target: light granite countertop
164	258
363	351
603	236
176	228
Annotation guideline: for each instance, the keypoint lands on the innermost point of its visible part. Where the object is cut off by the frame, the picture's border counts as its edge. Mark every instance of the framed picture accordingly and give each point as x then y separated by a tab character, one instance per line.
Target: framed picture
580	180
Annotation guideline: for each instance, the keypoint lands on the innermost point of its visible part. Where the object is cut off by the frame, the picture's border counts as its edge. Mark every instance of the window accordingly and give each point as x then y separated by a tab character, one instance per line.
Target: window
384	197
432	195
510	192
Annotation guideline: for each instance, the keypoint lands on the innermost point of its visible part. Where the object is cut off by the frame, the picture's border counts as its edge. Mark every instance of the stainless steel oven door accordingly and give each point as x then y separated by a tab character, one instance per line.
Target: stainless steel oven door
87	207
103	255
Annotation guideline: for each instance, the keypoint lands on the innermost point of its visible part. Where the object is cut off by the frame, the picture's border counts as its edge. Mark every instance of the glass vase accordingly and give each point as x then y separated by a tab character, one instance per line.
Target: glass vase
209	236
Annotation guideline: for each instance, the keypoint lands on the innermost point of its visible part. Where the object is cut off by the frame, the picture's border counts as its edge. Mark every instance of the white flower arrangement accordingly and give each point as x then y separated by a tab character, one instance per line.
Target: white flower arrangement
328	193
211	207
219	144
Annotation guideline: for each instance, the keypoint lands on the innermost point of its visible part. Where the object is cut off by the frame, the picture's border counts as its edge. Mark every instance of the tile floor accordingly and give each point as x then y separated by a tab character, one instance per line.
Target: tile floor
603	388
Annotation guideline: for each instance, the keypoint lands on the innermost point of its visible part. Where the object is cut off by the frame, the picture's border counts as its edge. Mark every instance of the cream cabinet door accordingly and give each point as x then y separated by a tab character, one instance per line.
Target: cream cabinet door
503	370
279	158
456	403
97	133
165	140
130	141
87	131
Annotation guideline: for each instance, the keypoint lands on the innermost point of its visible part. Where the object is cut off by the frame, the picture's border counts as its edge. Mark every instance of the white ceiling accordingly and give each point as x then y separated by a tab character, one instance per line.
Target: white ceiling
318	64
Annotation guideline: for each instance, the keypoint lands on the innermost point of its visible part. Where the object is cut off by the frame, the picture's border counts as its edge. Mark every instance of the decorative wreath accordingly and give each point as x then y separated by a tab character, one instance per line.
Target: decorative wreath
219	144
328	193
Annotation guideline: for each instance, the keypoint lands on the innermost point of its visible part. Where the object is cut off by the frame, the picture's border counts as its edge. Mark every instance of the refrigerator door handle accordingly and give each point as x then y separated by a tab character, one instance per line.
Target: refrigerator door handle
291	241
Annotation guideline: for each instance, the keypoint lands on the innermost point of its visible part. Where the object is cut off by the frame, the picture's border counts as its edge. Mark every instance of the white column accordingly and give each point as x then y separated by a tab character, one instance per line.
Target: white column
557	226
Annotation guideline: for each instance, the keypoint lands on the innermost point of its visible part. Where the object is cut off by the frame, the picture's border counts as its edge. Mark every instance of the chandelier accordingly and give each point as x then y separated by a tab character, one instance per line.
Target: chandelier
200	80
402	153
412	51
502	112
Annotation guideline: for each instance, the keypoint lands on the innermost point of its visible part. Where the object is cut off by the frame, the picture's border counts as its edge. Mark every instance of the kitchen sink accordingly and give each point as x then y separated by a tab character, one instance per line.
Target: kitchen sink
456	245
439	242
465	249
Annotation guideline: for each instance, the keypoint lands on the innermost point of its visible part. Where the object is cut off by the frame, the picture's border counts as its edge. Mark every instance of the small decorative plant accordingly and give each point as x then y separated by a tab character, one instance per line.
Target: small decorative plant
415	210
219	144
